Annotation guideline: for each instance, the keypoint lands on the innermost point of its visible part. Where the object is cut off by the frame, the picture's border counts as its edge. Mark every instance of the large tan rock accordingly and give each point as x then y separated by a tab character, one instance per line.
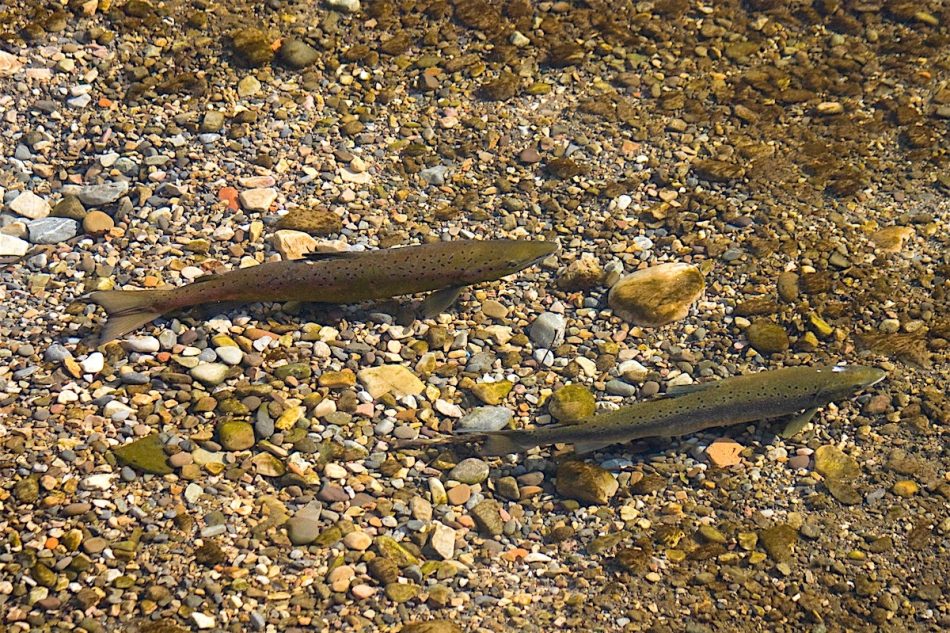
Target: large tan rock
658	295
293	244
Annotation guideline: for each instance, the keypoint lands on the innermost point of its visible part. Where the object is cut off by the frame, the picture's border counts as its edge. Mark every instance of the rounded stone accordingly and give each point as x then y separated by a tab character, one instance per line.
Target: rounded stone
658	295
766	337
235	435
572	403
97	223
470	471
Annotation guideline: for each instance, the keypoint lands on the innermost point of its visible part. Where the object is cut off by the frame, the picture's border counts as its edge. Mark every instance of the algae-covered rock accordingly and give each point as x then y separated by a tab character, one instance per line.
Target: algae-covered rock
571	403
146	455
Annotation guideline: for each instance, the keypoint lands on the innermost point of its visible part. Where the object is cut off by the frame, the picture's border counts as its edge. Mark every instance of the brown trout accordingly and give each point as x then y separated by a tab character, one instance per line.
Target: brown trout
443	268
767	394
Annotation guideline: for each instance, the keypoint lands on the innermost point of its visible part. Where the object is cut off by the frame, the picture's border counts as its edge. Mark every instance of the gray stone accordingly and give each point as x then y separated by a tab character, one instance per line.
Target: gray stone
297	54
52	230
470	471
105	193
434	175
547	331
304	527
486	419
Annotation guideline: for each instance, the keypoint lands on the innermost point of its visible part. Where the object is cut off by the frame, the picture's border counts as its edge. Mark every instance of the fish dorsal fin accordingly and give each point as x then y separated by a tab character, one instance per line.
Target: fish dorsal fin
679	390
582	447
320	256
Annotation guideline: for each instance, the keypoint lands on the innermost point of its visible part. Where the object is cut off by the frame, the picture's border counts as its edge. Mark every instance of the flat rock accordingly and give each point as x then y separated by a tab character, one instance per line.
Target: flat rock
442	541
394	379
30	205
585	482
145	455
9	64
657	295
105	193
486	419
724	453
258	199
314	220
13	246
52	230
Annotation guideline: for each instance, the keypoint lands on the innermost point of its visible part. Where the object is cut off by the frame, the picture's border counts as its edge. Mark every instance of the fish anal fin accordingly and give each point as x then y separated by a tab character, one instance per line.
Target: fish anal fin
439	301
797	423
582	447
120	325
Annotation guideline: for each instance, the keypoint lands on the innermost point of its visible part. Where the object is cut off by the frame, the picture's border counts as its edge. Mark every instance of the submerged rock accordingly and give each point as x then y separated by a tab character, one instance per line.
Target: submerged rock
585	482
145	455
658	295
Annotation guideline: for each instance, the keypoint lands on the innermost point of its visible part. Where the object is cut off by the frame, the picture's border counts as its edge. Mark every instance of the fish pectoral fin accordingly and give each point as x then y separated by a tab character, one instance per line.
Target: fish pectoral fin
582	447
203	278
798	422
318	256
439	301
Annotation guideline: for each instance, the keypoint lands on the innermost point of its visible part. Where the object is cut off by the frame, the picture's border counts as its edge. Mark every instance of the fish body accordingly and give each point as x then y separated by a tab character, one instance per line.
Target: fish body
736	400
338	278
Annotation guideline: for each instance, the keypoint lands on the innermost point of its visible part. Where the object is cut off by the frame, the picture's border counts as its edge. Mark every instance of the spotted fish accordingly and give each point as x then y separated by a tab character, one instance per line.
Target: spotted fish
736	400
442	268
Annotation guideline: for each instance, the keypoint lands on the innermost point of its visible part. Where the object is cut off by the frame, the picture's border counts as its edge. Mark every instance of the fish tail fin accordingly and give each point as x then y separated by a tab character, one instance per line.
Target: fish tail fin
129	309
493	443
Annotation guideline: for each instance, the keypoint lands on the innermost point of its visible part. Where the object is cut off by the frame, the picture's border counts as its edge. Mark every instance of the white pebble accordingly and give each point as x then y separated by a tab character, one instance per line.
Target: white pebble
93	363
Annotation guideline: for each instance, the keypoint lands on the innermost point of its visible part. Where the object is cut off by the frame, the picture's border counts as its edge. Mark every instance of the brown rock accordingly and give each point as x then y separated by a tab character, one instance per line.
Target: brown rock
658	295
97	223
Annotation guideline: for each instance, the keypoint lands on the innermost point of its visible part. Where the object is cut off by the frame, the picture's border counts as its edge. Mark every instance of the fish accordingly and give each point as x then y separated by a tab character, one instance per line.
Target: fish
691	408
441	268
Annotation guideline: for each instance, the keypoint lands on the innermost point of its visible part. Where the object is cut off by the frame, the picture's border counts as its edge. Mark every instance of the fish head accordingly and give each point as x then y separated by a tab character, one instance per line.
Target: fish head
506	257
844	380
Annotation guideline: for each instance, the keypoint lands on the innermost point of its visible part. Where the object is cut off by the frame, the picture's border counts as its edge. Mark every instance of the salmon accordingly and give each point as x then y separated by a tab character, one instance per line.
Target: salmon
442	268
736	400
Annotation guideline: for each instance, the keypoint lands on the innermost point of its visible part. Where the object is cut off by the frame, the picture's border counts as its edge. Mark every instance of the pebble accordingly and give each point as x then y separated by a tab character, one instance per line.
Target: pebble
258	200
210	374
470	471
547	331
